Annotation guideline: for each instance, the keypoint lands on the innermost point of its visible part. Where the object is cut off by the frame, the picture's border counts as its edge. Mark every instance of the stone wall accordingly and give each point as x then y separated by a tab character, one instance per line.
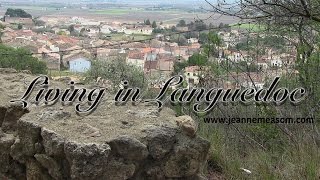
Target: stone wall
114	142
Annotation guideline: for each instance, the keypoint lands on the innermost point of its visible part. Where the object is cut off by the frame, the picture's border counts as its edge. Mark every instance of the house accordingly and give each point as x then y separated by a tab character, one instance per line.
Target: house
165	65
18	20
79	55
192	75
93	31
106	29
235	57
79	65
182	29
145	30
262	64
248	80
150	66
276	62
137	59
52	61
193	40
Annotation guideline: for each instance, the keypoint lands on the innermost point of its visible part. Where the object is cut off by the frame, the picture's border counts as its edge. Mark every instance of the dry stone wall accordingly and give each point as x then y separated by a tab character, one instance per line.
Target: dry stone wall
113	143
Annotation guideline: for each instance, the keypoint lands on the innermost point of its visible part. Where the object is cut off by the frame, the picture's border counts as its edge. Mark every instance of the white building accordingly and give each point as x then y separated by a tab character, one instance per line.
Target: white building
139	30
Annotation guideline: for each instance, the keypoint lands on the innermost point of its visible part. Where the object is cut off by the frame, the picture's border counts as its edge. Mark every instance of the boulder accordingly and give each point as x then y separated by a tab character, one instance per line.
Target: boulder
87	161
129	148
12	115
52	142
5	143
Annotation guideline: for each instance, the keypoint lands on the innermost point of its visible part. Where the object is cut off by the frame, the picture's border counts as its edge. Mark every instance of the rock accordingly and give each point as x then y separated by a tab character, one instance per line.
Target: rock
54	115
64	79
90	131
87	161
34	171
129	148
187	158
3	111
187	125
54	169
154	172
17	170
38	147
119	169
146	113
13	114
29	134
7	70
16	151
160	141
200	177
5	143
52	142
26	72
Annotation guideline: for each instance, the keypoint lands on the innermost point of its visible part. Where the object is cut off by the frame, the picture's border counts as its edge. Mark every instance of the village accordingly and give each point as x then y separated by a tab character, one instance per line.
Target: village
161	89
73	43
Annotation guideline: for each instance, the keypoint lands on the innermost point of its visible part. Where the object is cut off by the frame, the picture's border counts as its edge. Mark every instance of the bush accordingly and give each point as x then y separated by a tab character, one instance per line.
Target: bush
117	71
20	59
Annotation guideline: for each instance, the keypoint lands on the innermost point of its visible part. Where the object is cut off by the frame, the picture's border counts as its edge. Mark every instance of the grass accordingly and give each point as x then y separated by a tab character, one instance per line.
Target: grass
123	11
124	37
251	27
228	154
112	11
32	8
56	73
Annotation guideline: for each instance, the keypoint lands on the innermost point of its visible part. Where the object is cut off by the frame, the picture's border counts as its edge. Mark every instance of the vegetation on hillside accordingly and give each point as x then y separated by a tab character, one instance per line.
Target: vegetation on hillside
20	59
270	151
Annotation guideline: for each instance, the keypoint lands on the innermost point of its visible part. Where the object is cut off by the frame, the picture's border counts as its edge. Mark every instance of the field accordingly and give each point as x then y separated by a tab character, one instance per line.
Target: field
123	37
251	27
120	14
112	11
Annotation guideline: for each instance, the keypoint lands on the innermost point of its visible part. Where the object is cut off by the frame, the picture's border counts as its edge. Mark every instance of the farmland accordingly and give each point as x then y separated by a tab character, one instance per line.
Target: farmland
120	14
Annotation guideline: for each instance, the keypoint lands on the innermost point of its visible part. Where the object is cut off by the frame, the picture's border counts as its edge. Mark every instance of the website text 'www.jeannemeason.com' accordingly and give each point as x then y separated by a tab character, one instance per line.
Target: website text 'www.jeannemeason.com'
258	120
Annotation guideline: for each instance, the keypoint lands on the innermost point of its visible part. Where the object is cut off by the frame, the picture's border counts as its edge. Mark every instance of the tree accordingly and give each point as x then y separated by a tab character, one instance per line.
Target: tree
1	32
20	26
147	22
21	59
194	60
189	35
198	25
117	71
174	29
62	33
203	38
179	66
290	18
71	28
182	23
154	24
221	25
180	39
17	13
213	41
197	60
38	22
82	32
211	26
